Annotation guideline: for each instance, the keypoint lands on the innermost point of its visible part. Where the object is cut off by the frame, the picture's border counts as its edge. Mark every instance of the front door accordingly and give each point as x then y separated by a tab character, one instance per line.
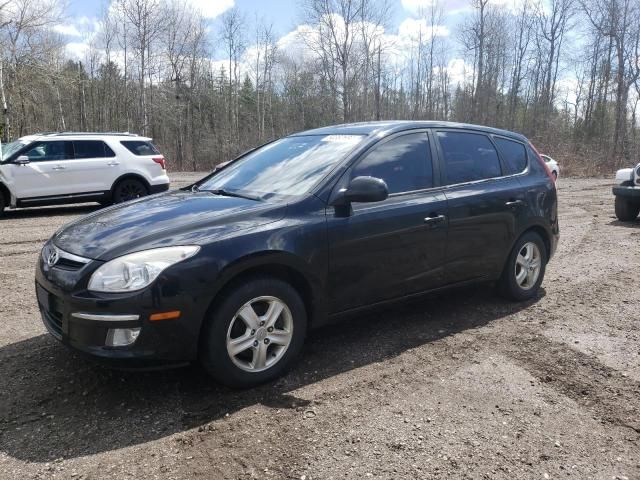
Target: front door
44	175
388	249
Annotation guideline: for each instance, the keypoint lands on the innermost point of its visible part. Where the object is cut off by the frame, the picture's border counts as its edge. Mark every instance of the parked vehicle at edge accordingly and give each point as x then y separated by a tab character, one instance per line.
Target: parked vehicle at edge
627	193
62	168
552	165
233	270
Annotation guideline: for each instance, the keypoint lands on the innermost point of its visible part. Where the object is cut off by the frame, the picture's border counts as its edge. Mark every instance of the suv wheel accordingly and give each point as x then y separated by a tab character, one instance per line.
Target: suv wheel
525	268
626	211
255	333
2	203
129	189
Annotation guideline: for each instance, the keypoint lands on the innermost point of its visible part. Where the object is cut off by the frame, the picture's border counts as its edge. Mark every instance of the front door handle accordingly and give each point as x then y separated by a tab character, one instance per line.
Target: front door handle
435	219
58	167
515	203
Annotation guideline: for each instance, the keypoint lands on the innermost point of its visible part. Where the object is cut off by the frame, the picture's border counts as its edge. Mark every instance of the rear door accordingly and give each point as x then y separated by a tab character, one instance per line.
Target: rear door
44	175
484	199
94	168
388	249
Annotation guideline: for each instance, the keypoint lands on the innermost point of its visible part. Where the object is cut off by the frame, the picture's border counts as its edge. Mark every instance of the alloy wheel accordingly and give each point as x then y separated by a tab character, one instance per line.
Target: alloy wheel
528	265
259	334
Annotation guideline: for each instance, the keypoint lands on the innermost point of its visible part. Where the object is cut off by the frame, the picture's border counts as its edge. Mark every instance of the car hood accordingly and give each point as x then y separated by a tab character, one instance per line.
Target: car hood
174	218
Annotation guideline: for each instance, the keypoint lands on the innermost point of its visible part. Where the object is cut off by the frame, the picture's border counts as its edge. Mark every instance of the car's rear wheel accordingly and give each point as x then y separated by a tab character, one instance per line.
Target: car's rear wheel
525	268
255	332
2	203
129	189
626	210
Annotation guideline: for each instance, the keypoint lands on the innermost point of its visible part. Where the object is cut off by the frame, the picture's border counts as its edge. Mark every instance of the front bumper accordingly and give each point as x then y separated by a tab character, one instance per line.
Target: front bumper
627	191
81	319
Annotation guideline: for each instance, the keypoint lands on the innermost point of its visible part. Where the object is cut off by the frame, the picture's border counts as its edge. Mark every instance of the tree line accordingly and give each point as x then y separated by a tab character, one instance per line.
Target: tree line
566	73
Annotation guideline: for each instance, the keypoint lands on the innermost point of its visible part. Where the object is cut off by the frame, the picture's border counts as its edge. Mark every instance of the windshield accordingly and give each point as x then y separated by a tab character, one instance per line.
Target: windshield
289	166
9	149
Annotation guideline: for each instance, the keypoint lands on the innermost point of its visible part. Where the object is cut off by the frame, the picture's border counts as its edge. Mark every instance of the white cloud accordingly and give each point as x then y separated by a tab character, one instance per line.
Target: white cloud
67	29
77	50
211	8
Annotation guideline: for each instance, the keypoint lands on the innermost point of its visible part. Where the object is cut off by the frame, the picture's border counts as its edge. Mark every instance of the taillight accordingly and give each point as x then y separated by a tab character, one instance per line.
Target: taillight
543	163
160	161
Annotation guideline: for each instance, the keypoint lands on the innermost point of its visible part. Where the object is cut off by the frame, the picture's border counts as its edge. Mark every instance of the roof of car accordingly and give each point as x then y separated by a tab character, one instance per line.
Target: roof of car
84	136
392	126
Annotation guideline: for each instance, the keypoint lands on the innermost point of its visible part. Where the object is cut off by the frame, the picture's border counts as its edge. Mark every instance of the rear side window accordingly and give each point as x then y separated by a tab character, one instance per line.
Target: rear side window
92	149
404	163
514	155
468	157
140	148
50	151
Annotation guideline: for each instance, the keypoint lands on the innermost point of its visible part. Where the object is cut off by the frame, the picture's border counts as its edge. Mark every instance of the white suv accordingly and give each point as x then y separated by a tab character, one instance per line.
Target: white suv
59	168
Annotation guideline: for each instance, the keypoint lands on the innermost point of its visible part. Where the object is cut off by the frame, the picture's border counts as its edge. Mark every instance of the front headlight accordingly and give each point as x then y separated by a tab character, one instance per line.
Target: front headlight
137	270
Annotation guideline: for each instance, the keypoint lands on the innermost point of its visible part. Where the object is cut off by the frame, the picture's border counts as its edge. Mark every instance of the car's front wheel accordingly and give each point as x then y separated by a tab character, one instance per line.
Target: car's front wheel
255	332
525	268
626	210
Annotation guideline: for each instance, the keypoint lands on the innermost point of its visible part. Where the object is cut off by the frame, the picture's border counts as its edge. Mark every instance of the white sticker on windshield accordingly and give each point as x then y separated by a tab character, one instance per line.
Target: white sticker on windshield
340	138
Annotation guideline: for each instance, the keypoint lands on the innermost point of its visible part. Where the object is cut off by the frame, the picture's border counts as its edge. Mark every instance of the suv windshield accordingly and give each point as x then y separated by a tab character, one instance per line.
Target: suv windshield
9	149
289	166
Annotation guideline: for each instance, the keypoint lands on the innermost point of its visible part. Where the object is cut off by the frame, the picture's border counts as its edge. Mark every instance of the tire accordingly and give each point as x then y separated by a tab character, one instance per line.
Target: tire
512	284
626	210
129	189
2	203
555	174
227	324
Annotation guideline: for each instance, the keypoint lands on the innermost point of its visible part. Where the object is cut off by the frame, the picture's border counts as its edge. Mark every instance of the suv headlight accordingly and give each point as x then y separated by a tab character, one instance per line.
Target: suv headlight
137	270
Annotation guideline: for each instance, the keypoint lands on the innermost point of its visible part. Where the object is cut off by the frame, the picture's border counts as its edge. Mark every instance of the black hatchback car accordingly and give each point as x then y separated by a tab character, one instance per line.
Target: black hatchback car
234	270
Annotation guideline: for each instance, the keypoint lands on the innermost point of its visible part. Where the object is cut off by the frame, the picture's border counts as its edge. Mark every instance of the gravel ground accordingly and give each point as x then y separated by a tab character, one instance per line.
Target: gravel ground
460	385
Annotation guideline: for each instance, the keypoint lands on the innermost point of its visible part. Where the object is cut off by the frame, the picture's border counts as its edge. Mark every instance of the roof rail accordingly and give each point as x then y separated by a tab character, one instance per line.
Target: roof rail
118	134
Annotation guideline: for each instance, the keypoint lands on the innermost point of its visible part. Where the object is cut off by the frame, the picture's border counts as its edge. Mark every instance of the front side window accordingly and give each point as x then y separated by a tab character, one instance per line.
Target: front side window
50	151
404	163
289	166
468	157
513	153
92	149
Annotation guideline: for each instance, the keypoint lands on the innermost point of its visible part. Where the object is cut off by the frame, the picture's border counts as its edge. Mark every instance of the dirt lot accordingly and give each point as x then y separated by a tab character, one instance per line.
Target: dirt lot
462	385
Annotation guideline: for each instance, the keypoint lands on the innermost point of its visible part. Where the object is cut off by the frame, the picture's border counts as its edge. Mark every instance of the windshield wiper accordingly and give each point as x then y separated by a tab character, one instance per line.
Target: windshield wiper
229	193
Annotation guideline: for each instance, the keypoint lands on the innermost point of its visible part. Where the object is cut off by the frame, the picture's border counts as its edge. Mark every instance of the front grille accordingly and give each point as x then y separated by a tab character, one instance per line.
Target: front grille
53	324
56	258
52	311
68	264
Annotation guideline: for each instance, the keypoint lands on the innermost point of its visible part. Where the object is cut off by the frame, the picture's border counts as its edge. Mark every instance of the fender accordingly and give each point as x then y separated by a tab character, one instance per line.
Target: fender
304	279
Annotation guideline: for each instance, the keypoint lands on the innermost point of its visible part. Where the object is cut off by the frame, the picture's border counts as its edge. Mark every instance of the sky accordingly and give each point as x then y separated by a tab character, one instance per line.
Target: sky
284	15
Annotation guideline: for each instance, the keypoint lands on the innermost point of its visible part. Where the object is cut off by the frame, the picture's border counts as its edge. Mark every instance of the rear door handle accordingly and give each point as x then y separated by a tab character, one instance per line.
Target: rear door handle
434	220
515	203
58	167
113	163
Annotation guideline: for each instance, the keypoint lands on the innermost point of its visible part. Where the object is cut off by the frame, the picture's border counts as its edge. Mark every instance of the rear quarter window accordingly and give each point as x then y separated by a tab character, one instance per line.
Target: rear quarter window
140	148
513	153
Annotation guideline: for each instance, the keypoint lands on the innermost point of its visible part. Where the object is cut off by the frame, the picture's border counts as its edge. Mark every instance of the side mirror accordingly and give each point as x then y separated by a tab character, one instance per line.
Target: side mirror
21	160
362	189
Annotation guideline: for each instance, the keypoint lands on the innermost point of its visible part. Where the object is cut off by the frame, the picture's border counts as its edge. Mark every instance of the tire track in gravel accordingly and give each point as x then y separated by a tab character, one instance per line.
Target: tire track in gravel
597	388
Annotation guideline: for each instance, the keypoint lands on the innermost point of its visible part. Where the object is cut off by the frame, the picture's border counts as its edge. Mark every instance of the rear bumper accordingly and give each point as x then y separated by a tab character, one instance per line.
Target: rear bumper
163	187
627	192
